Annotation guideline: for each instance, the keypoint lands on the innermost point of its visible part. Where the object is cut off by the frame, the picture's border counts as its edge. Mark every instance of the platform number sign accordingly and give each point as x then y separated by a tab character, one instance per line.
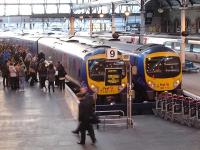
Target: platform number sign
112	53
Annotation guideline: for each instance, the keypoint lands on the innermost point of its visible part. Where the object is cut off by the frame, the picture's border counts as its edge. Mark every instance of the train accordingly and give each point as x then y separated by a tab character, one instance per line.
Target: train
172	41
158	67
85	63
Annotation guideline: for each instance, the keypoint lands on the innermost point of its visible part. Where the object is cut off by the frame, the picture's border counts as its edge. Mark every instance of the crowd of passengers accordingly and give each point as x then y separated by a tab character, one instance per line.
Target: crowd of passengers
19	66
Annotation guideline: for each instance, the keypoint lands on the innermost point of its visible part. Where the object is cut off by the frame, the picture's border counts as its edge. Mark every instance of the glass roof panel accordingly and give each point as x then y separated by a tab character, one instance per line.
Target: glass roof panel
25	1
25	10
51	9
65	1
38	9
37	1
1	10
64	9
11	10
52	1
10	1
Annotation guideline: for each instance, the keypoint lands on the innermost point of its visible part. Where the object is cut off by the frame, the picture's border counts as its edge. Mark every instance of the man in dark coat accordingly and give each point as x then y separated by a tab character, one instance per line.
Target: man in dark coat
5	74
86	110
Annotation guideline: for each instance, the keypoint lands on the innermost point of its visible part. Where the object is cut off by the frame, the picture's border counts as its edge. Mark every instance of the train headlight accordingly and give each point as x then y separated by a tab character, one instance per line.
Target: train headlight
151	84
176	83
94	88
122	86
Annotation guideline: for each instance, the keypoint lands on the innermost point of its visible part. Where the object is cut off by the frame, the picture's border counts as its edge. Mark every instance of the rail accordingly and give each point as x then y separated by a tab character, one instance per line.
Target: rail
111	111
112	118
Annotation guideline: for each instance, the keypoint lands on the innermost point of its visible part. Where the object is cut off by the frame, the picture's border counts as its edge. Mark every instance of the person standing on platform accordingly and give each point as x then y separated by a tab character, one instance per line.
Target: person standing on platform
22	76
61	76
13	76
86	110
42	70
56	74
51	76
5	74
80	95
17	65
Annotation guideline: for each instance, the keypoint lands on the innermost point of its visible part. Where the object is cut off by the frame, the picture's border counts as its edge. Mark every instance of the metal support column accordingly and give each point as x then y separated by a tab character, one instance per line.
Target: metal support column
90	18
142	22
129	96
71	29
71	21
183	41
113	18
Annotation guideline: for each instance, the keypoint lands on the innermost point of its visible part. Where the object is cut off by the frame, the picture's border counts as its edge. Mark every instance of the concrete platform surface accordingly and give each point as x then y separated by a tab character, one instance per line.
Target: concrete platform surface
191	83
34	120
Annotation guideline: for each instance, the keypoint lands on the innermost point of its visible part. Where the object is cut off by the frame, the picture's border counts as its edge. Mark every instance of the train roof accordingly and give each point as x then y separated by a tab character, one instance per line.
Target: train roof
74	47
134	49
152	48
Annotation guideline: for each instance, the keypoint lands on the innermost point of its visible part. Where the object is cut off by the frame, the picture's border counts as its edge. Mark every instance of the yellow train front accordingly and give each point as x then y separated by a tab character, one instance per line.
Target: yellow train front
106	77
159	69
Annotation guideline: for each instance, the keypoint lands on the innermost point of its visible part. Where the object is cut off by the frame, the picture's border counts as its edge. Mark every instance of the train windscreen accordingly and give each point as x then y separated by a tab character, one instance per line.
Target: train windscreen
97	68
163	67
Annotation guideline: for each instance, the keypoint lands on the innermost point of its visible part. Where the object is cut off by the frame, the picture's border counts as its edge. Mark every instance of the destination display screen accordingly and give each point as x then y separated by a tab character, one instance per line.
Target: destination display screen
113	76
163	67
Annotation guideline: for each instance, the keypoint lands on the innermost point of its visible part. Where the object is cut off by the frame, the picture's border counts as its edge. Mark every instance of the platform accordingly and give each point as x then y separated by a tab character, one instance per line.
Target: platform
191	82
34	120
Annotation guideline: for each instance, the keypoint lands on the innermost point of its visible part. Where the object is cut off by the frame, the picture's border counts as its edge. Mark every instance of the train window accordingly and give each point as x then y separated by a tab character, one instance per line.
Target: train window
163	67
196	48
168	44
97	67
177	46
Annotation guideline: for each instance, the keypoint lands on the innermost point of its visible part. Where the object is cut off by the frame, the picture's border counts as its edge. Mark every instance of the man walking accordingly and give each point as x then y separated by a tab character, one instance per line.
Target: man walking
86	109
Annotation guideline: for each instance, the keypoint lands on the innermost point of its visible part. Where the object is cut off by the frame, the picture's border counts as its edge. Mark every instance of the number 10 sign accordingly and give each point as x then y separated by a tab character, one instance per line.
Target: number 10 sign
112	53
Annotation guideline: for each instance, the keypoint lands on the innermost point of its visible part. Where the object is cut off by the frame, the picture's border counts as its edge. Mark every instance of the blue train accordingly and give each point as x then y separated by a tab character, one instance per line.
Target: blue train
158	69
85	63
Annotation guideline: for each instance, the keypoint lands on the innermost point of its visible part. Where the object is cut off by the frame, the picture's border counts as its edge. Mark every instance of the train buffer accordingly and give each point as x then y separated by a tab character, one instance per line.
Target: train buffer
190	67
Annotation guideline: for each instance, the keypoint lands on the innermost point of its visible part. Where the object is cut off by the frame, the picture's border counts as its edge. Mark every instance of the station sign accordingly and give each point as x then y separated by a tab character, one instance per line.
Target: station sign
112	53
113	76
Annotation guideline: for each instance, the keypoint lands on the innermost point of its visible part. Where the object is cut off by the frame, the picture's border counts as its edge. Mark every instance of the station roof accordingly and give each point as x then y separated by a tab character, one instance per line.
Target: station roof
172	3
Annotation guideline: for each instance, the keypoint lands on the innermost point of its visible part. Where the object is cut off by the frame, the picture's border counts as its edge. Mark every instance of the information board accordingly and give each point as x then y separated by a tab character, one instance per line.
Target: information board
113	76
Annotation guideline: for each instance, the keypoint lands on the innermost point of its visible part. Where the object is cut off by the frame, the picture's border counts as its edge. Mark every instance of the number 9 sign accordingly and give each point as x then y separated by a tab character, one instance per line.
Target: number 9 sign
112	53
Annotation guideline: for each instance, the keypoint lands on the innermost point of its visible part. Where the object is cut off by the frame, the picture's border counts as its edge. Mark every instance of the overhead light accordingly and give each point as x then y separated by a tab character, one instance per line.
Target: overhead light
81	17
127	13
101	15
160	10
